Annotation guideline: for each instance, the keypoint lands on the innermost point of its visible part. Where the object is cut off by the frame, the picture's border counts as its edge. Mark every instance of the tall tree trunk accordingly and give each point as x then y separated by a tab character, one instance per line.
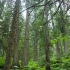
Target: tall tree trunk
65	46
63	30
57	50
26	40
12	36
47	51
35	39
15	53
35	45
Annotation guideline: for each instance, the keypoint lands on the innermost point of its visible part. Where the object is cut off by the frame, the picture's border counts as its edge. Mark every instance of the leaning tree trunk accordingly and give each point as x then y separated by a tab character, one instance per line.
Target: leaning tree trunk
12	36
47	53
26	40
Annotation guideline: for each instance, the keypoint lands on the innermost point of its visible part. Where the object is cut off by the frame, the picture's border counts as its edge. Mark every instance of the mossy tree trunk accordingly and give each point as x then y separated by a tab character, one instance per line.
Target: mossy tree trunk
12	36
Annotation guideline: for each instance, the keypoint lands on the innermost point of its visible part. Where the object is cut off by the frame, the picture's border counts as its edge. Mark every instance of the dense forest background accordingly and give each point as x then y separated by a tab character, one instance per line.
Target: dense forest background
35	34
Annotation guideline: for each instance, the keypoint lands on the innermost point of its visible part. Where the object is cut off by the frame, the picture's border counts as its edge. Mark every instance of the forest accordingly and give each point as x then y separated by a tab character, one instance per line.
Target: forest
34	35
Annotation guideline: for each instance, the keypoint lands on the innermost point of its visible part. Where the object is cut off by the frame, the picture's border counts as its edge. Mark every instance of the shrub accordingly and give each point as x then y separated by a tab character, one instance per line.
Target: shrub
35	66
2	61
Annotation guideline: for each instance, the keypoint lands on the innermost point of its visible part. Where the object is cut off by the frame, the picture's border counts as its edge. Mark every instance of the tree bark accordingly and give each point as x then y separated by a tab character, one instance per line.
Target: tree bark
35	45
26	40
47	51
57	50
15	54
62	29
12	36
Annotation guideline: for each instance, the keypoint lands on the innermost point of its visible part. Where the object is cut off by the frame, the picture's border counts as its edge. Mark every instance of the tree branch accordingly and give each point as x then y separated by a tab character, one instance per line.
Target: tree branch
53	13
31	6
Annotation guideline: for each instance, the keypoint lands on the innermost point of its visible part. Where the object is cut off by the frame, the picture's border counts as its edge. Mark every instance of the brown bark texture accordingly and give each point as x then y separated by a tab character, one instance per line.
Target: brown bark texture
12	36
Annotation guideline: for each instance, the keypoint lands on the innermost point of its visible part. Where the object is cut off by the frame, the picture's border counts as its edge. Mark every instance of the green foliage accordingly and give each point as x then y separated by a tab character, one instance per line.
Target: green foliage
33	66
41	61
60	38
2	61
65	61
53	41
26	68
62	63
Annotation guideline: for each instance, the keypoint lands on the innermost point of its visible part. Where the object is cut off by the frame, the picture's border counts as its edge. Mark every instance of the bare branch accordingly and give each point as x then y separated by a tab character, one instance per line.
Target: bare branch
31	6
57	8
53	13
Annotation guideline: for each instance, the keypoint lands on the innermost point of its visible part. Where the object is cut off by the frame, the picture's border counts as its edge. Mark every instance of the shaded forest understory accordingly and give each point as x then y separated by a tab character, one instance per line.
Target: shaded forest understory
35	34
